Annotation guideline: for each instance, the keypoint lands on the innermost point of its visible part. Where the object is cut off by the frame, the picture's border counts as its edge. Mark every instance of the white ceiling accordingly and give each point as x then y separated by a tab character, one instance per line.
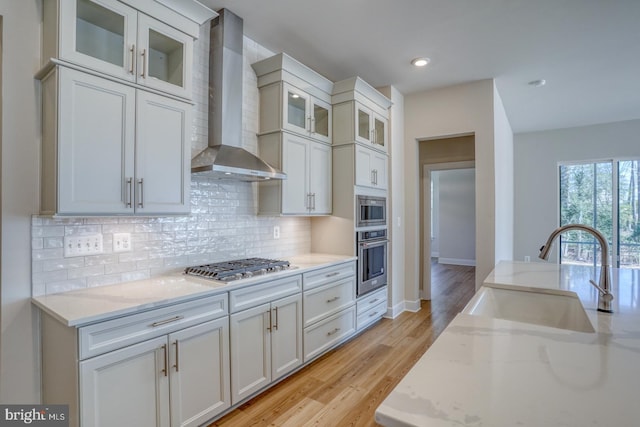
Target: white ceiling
588	51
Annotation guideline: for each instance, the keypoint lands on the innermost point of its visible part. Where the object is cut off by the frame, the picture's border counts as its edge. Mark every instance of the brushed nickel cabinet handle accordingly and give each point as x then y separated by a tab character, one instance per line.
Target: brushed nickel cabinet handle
375	313
129	192
330	300
141	195
143	55
164	322
374	301
269	327
133	59
177	355
276	325
335	273
333	332
165	355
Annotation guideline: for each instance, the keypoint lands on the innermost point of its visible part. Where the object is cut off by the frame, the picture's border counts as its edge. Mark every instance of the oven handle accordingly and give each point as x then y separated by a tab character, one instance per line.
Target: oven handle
372	243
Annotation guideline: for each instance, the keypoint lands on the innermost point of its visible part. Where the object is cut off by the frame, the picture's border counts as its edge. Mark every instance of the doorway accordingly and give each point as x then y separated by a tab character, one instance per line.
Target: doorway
447	214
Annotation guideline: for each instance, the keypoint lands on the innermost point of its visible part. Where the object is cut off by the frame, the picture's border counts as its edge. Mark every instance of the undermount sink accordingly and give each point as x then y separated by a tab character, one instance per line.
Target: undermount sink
558	311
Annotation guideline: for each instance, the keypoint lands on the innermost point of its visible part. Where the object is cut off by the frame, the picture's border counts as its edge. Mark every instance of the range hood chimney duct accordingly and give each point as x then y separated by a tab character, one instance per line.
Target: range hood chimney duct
224	157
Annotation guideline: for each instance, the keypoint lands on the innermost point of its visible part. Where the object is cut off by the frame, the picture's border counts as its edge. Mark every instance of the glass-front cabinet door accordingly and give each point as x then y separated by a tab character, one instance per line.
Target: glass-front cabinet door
164	56
296	116
380	133
305	114
99	34
109	37
321	120
363	124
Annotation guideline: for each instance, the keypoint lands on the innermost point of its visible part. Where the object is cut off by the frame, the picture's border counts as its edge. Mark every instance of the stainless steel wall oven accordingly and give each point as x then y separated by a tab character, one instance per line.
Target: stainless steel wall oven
372	259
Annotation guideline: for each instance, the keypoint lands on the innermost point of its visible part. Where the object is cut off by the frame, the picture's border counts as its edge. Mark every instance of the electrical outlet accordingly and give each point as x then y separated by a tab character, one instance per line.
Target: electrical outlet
276	232
82	245
527	258
121	242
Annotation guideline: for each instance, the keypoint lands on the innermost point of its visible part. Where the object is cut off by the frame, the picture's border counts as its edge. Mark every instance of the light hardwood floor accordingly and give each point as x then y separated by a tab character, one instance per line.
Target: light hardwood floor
345	386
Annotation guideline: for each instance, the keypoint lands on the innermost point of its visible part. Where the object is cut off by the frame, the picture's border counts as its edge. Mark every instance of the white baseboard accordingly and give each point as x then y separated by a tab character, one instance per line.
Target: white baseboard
393	312
457	261
412	306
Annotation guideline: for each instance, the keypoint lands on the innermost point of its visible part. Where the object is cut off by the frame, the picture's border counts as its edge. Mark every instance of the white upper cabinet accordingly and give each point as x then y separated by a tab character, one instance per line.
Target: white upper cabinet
111	37
371	168
293	97
295	136
307	189
361	114
110	149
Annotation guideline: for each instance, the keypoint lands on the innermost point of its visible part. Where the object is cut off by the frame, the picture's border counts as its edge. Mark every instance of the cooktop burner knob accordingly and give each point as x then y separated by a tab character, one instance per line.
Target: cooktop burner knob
238	276
248	274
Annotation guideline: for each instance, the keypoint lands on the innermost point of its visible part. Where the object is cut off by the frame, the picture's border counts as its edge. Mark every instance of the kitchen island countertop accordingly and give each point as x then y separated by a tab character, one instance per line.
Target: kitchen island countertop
484	371
90	305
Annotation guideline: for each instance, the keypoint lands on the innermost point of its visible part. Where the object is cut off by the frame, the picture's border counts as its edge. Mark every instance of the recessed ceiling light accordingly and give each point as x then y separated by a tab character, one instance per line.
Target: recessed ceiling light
295	95
420	62
537	83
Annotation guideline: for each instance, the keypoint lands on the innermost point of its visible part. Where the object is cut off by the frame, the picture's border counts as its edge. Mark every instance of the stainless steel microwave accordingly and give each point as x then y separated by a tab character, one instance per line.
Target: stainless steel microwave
371	211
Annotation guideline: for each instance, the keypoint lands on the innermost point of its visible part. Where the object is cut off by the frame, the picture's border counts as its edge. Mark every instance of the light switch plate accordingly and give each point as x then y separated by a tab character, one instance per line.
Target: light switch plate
121	242
83	245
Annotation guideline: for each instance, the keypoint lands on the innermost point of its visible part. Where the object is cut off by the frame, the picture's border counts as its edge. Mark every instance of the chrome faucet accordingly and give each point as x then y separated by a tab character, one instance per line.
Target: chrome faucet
604	287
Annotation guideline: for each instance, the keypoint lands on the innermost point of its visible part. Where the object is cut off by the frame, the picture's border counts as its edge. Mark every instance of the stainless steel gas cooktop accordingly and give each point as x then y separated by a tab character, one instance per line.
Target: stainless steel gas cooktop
238	269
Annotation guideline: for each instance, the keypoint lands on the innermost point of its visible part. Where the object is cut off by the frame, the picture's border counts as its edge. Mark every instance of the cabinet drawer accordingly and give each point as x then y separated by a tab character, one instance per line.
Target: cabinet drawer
372	314
252	296
328	275
325	300
117	333
329	332
371	300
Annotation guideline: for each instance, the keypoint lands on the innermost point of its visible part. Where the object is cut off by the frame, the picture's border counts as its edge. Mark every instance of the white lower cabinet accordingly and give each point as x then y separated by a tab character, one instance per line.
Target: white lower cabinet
177	380
126	387
266	340
329	308
164	367
371	308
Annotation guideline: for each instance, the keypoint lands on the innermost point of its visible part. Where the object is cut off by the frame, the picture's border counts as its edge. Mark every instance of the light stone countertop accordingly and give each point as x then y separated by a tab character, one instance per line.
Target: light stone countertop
85	306
491	372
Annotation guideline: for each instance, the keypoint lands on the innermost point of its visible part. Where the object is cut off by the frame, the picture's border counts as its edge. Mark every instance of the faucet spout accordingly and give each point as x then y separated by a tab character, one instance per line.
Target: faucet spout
604	286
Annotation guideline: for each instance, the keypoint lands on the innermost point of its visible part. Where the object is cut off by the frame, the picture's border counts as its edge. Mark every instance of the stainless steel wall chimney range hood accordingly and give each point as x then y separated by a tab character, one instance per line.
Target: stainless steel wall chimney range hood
224	157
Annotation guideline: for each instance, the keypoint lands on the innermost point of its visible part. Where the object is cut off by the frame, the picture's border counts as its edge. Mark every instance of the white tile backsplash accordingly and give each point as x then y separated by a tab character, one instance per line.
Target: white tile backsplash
223	223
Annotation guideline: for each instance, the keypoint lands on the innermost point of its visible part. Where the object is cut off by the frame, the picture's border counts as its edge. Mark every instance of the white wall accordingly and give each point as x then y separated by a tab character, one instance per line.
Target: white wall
461	109
537	155
504	181
19	361
456	228
396	200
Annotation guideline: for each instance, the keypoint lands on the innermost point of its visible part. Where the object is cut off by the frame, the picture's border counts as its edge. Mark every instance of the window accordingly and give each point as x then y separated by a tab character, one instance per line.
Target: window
605	196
